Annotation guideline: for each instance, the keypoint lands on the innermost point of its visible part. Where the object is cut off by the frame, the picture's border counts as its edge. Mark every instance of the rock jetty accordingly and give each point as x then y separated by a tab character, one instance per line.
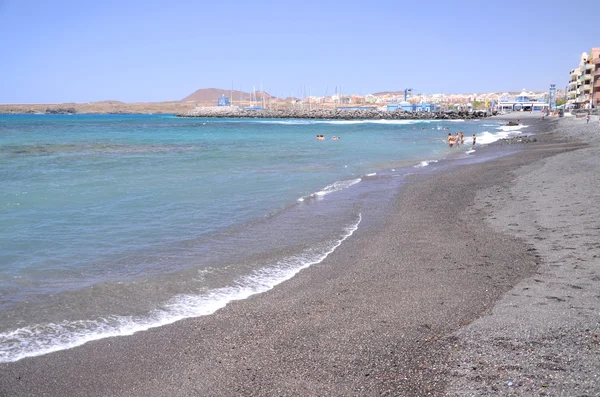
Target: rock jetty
338	114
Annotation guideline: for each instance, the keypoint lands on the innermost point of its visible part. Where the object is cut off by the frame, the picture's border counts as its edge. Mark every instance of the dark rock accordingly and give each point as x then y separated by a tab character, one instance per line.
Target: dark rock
331	114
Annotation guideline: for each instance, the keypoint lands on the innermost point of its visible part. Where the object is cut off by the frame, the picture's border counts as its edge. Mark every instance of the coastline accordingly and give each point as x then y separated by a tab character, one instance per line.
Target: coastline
370	319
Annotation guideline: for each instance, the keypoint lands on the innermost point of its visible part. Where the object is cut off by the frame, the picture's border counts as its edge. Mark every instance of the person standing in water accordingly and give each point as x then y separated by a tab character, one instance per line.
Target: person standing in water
450	139
457	139
474	139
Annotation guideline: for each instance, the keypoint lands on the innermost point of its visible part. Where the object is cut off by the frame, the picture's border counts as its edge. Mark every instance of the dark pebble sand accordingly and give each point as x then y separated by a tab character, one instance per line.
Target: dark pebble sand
418	304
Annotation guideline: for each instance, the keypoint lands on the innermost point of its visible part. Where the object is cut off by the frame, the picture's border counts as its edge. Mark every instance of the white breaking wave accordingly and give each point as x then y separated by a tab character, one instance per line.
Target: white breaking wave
371	174
334	187
487	137
382	121
46	338
425	163
508	128
284	121
505	131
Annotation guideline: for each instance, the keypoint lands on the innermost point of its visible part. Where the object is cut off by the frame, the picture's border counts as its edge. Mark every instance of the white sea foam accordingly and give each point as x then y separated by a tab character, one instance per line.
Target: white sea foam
344	122
334	187
505	131
371	174
46	338
509	128
425	163
283	121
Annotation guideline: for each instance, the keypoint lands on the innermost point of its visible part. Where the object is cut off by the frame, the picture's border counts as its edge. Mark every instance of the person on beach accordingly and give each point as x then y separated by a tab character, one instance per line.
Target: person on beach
588	119
450	139
462	138
457	139
474	139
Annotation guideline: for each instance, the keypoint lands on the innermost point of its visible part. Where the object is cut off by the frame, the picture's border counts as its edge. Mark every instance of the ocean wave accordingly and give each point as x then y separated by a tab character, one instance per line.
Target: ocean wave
334	187
487	137
42	339
371	174
341	122
425	163
285	122
381	121
508	128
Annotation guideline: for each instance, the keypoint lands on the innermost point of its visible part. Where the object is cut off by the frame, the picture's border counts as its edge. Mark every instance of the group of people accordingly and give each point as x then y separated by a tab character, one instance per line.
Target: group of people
459	139
322	138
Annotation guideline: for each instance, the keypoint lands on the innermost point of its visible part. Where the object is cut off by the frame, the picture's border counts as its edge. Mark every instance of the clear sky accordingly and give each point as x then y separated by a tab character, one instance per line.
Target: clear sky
148	50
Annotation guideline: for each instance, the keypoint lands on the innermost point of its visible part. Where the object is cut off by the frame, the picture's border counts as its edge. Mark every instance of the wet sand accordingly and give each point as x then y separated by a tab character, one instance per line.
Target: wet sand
406	306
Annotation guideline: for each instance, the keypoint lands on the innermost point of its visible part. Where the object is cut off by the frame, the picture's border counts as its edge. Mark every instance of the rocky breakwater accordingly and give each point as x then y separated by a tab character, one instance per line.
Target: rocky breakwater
337	114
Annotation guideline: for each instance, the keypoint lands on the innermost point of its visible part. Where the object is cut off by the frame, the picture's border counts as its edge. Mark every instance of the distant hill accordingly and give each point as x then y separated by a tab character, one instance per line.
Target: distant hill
205	95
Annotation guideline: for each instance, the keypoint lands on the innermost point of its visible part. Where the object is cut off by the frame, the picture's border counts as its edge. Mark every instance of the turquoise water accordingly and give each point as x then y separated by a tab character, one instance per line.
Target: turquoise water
114	224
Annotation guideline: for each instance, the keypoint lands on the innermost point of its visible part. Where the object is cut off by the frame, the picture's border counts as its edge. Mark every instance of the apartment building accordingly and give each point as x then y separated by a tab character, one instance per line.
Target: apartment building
584	84
596	77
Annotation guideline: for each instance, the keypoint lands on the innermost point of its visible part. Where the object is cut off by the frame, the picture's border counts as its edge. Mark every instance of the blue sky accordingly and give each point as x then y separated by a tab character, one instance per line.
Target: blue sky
129	50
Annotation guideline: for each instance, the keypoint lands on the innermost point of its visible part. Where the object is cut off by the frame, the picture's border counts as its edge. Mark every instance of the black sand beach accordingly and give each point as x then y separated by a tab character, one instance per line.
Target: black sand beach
482	280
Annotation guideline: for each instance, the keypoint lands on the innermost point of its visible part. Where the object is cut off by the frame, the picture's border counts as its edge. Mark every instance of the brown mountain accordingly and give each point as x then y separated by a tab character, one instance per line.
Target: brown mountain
208	95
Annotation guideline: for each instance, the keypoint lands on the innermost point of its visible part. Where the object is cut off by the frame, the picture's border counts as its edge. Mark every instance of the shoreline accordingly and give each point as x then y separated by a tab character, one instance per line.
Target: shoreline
362	322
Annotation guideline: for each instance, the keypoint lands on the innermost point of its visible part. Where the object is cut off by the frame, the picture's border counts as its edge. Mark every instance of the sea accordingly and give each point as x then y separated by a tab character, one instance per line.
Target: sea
114	224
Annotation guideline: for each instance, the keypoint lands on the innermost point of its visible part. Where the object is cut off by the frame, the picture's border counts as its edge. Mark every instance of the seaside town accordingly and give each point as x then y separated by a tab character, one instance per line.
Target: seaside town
582	92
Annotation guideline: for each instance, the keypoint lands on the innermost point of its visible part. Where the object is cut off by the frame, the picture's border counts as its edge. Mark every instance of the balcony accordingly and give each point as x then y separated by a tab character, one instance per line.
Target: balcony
586	88
588	66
